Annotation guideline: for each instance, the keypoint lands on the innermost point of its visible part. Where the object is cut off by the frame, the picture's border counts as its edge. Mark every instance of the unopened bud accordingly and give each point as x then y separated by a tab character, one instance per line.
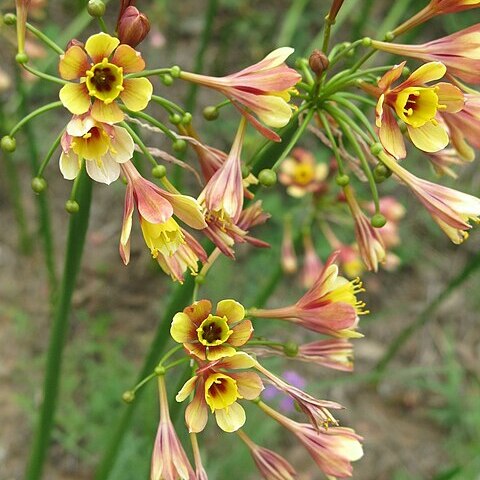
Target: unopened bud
75	43
318	62
10	19
378	220
381	172
21	58
71	206
175	118
290	349
210	113
133	26
167	79
8	144
175	71
179	145
96	8
389	36
39	184
128	396
376	149
342	180
366	41
159	370
159	171
187	118
267	177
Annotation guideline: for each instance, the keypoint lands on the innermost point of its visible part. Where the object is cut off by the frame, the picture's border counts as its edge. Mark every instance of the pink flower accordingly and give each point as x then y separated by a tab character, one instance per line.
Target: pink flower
312	264
288	257
262	90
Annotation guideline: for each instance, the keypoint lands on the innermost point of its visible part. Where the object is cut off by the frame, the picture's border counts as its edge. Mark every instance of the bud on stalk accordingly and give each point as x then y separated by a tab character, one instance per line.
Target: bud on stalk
133	26
336	6
318	62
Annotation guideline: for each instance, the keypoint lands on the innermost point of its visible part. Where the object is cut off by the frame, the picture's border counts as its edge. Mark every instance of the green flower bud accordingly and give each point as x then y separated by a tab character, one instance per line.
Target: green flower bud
159	370
8	144
39	184
175	71
21	58
342	180
366	41
175	118
179	145
167	79
159	171
200	279
10	19
267	177
187	118
96	8
211	113
389	36
378	220
72	207
376	149
290	349
128	396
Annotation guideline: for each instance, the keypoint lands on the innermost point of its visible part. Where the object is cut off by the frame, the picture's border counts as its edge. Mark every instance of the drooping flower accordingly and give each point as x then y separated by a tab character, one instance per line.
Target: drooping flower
459	52
301	174
261	90
156	206
271	465
217	387
102	68
169	460
330	306
417	105
212	336
450	209
102	146
22	7
286	404
332	449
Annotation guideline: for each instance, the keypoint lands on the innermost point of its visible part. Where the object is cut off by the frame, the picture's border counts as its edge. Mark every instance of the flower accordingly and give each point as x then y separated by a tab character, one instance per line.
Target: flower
21	7
288	257
417	105
100	68
312	264
169	460
301	174
459	52
443	161
329	307
218	388
450	209
210	336
270	465
263	90
332	449
156	206
133	26
370	242
104	148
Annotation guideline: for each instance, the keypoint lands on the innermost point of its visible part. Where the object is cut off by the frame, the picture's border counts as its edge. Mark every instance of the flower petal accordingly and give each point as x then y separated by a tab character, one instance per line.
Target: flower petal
391	76
430	137
231	309
186	390
182	329
75	98
128	58
186	209
239	361
450	96
69	165
124	246
73	63
391	135
104	171
232	418
100	46
241	333
108	113
137	93
196	414
426	73
219	351
121	145
198	311
249	384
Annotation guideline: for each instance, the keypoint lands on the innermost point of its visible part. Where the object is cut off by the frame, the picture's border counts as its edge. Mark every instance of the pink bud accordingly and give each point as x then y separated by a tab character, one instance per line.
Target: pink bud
133	26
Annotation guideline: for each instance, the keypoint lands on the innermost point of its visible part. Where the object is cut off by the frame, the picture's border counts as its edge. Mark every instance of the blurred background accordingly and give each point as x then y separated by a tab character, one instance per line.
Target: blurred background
420	417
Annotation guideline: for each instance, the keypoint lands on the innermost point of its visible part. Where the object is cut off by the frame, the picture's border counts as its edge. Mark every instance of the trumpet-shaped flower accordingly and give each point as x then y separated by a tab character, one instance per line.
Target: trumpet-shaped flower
450	209
459	52
417	105
217	387
332	449
169	460
212	336
156	206
101	68
329	307
262	90
103	147
21	7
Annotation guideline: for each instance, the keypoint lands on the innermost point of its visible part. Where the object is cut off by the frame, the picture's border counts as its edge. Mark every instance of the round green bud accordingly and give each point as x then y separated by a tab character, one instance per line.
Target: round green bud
175	71
389	36
167	79
366	41
159	370
10	19
187	118
21	58
406	72
179	145
211	113
200	279
290	349
376	149
8	144
128	396
96	8
267	177
342	180
380	173
378	220
159	171
175	118
72	206
39	184
245	171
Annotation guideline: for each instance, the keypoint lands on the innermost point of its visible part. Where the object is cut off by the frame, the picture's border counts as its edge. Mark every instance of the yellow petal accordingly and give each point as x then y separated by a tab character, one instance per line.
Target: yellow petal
181	329
231	309
198	311
219	351
430	137
128	58
107	113
137	93
249	384
424	74
187	209
239	361
231	418
69	165
73	63
391	135
275	111
75	98
100	46
241	333
450	96
196	414
186	390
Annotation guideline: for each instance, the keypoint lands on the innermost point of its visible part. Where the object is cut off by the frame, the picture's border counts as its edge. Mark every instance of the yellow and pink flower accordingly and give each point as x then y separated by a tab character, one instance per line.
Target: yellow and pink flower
212	336
102	68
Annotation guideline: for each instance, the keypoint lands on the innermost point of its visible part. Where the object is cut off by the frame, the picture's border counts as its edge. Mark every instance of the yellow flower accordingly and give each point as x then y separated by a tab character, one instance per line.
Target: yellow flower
164	238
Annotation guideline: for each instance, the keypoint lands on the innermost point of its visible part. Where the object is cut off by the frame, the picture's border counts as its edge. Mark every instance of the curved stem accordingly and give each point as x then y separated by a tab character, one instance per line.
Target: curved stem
76	239
153	122
168	104
46	40
139	142
149	73
45	76
35	113
49	154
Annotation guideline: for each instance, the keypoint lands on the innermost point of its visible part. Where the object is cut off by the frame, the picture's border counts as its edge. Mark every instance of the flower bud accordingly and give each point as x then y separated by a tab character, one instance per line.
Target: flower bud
267	177
71	206
8	144
38	184
10	19
128	396
210	113
179	145
74	43
96	8
167	80
318	62
342	180
21	58
133	26
159	171
378	220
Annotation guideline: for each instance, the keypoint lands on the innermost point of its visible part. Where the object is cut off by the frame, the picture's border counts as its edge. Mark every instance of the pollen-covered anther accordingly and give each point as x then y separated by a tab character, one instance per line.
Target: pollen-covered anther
105	81
213	331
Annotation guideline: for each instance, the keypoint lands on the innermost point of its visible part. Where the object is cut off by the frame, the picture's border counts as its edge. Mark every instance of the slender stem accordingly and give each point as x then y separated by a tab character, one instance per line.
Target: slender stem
326	33
153	122
139	142
168	104
101	23
139	385
35	113
46	40
362	60
45	76
75	243
177	362
334	146
149	73
49	154
171	352
357	112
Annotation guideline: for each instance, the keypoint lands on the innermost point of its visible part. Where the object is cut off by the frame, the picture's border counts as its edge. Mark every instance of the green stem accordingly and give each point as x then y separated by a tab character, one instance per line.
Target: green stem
139	142
427	314
362	60
101	23
45	76
177	362
149	73
171	352
153	122
35	113
326	33
46	40
49	154
357	112
168	104
334	146
75	242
